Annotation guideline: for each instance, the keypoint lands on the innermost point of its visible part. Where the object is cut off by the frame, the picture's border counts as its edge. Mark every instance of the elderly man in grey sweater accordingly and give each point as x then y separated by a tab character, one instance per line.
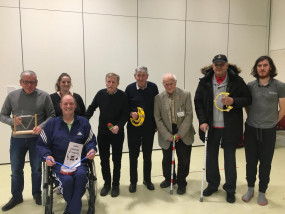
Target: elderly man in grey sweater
24	102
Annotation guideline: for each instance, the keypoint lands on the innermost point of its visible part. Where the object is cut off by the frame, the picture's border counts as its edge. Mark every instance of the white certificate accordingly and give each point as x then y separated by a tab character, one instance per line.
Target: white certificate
73	154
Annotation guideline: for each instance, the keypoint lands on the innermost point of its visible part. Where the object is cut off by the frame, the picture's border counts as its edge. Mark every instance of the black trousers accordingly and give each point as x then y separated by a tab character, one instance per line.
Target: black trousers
183	152
259	146
212	163
141	136
104	143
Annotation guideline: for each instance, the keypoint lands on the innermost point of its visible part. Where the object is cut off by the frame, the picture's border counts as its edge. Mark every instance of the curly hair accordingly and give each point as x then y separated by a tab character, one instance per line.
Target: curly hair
273	71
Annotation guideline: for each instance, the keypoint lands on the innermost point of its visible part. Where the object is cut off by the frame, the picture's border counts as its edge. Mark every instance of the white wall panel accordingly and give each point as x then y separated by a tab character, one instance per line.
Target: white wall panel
11	66
208	10
161	48
277	28
64	5
279	61
52	44
109	47
246	44
251	12
201	47
9	3
167	9
200	50
114	7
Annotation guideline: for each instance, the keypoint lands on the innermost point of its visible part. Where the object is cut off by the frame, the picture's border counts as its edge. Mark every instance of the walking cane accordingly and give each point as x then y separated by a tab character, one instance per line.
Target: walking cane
175	138
204	164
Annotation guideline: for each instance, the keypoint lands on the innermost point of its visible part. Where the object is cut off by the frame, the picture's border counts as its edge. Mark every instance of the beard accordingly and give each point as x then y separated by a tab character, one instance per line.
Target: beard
263	74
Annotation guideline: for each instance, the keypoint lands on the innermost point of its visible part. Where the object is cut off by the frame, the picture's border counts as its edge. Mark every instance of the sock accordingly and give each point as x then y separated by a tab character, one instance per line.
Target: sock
248	195
261	200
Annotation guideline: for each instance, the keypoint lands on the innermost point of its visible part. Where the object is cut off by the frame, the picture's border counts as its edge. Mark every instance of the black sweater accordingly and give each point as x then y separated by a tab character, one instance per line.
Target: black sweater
142	98
80	108
113	109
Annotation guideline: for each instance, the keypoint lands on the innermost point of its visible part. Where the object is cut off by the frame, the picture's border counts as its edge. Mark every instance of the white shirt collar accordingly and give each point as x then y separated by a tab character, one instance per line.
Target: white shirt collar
137	85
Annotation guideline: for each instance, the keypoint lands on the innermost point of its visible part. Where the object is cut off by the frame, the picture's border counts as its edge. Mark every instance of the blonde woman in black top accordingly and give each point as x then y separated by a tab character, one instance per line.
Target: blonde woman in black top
62	87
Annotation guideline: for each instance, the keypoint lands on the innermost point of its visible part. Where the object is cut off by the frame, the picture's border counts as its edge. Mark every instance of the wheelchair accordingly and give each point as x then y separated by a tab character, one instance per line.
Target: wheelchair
49	186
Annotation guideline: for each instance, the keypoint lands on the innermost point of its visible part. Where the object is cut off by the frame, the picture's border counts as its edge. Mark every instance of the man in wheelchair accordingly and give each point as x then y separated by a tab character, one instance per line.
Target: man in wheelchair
66	140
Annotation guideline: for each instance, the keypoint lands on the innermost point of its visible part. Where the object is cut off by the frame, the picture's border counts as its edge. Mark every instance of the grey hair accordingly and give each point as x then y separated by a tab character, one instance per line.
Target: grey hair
169	75
28	73
113	75
141	69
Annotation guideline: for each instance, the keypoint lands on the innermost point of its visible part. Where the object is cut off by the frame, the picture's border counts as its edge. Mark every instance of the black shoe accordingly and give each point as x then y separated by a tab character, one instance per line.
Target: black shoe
105	190
133	188
115	191
165	184
66	212
12	203
38	199
181	190
208	191
231	197
149	185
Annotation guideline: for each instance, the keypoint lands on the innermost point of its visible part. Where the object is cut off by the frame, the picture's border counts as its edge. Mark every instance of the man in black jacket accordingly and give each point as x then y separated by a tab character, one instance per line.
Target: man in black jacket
224	127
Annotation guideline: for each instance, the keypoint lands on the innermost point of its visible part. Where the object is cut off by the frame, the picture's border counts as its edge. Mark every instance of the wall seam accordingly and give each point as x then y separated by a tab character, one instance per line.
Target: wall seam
269	27
185	48
21	35
137	32
228	41
84	56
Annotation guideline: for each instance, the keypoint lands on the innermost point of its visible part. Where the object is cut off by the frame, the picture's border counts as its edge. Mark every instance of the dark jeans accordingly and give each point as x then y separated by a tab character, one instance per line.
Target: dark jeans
259	146
104	144
18	150
137	137
212	164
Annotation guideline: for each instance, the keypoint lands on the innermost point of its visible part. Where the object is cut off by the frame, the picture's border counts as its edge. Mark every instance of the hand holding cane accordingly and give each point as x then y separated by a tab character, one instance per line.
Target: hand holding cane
175	138
204	164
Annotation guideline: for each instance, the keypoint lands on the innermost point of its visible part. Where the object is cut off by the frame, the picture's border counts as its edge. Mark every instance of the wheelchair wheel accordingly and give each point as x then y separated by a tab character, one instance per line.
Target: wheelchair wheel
92	187
47	189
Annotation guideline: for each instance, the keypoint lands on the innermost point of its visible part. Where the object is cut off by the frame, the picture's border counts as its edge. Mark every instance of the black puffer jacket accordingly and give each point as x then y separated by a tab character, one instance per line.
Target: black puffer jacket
204	100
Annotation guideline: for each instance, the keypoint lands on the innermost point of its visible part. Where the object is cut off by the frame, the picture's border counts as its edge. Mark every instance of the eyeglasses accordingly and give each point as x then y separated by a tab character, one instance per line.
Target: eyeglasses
28	82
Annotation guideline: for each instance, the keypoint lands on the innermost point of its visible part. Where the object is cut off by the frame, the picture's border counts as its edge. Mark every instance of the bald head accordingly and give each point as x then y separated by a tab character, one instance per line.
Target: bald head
67	97
67	105
168	76
169	83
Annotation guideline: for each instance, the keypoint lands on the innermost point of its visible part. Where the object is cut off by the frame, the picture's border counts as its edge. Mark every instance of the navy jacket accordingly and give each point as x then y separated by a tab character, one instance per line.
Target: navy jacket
144	99
55	137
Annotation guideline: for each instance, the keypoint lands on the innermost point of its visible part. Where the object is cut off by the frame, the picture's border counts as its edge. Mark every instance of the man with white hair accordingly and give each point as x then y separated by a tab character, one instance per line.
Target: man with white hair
174	116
